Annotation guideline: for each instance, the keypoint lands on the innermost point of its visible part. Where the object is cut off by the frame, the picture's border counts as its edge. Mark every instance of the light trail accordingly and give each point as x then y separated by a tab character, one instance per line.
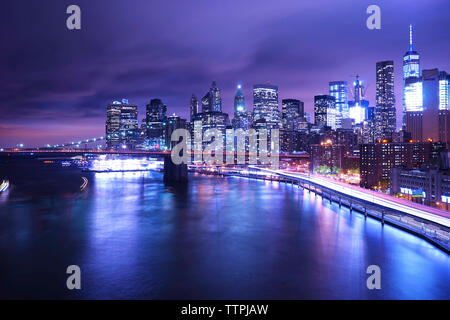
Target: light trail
427	213
4	185
85	183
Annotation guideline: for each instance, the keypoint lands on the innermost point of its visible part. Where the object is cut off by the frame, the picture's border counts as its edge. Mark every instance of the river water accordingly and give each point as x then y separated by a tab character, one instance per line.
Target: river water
215	238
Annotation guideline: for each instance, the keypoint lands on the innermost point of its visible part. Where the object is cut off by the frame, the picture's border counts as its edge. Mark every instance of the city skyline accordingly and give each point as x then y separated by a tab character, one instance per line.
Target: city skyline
300	70
244	150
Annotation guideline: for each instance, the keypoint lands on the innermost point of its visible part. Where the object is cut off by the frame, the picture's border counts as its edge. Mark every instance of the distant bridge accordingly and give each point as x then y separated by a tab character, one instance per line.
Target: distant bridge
172	172
62	152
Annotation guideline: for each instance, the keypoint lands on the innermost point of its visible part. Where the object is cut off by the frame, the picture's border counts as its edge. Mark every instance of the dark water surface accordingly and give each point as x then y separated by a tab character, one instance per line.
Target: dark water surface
216	238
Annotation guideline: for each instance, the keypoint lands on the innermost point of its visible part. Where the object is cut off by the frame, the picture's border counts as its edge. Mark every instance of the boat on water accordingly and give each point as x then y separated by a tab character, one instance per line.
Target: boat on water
4	185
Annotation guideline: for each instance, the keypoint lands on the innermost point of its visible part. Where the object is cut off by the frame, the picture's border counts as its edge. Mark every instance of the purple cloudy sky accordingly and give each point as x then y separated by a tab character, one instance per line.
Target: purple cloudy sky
55	83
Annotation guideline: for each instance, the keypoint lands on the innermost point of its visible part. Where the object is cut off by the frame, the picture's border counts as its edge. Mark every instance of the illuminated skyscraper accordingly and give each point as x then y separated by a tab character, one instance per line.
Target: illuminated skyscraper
427	103
122	128
212	101
212	116
358	107
172	123
292	112
129	127
239	100
444	87
113	125
156	115
385	115
436	116
156	111
411	84
194	107
324	110
444	107
265	105
242	118
338	90
413	95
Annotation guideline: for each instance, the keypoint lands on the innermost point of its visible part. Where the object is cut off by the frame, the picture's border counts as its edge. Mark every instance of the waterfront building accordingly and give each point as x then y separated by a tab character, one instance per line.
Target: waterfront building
113	125
327	154
129	126
428	185
377	160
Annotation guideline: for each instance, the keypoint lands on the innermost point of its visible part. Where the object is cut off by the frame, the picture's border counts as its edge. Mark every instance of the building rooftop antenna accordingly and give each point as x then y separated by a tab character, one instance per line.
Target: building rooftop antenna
410	38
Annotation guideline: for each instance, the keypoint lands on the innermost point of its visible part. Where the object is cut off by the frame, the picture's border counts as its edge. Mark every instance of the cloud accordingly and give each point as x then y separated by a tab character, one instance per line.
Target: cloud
170	49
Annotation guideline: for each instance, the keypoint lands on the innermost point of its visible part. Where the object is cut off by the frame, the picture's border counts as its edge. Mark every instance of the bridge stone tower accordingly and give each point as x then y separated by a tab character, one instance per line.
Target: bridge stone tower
175	172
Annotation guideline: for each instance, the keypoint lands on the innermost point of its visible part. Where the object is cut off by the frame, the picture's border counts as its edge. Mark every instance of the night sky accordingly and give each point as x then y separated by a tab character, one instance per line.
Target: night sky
55	83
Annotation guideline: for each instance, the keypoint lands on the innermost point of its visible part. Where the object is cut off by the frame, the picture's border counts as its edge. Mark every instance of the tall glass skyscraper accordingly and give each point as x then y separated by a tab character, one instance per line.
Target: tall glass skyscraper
242	118
156	110
113	124
216	99
265	105
436	117
239	100
385	115
444	106
358	107
212	101
444	85
338	90
121	124
292	111
324	110
412	95
156	114
194	107
427	106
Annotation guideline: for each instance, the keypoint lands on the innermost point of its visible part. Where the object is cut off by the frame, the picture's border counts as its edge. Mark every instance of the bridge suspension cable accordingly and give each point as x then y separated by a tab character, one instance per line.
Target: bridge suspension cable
75	144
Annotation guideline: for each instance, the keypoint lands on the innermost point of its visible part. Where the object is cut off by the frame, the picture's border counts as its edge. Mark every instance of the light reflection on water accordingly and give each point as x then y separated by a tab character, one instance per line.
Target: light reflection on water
219	238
